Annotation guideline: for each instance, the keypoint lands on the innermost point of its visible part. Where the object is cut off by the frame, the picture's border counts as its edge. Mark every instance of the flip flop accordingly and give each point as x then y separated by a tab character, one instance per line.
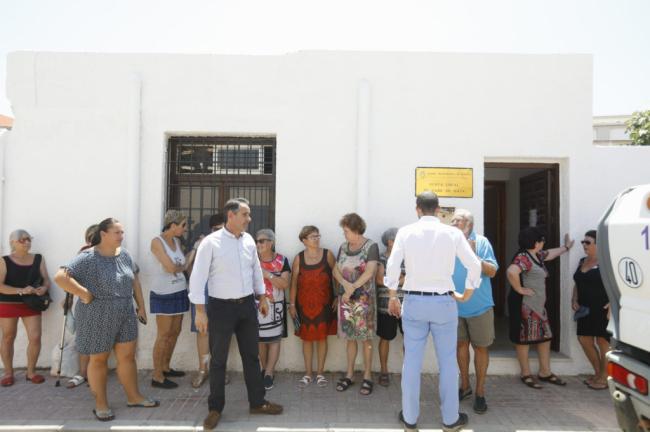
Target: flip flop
145	403
75	381
304	381
553	379
530	382
7	381
598	386
36	379
104	415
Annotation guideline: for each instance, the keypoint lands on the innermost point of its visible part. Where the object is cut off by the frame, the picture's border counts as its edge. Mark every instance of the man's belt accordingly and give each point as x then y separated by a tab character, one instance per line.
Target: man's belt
428	293
235	300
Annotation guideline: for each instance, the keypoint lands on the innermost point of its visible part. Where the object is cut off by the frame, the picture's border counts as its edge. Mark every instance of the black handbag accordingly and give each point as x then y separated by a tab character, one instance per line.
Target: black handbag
33	301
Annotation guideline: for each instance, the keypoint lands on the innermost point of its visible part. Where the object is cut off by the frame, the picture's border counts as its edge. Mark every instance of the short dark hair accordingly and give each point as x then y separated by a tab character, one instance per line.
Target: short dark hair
306	230
104	225
529	236
427	201
591	233
233	204
354	222
217	219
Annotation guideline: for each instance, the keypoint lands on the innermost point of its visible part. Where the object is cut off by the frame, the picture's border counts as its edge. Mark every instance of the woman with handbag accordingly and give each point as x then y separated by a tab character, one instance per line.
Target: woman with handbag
23	280
105	278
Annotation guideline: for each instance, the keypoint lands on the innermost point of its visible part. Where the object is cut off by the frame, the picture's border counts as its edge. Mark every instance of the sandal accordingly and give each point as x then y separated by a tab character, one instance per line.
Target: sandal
384	379
344	384
304	381
145	403
200	378
553	379
75	381
598	386
366	387
104	415
7	381
321	381
36	379
530	382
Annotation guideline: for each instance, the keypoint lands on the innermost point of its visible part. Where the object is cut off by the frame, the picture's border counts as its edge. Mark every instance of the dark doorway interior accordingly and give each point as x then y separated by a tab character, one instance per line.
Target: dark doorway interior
518	195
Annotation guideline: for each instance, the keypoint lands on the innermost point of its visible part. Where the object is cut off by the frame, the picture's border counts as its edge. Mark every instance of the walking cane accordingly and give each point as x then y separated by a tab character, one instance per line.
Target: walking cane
66	309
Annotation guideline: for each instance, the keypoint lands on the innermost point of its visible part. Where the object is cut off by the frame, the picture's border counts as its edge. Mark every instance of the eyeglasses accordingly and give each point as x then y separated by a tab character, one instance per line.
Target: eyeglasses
313	237
25	240
261	241
587	242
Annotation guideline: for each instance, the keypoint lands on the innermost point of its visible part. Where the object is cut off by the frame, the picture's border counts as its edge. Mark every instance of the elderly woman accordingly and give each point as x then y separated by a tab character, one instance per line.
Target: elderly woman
312	302
355	269
273	326
386	324
21	274
168	297
529	323
105	279
590	303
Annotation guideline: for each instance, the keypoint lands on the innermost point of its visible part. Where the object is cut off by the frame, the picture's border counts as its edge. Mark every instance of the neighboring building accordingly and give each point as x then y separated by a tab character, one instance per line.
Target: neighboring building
307	137
6	122
610	130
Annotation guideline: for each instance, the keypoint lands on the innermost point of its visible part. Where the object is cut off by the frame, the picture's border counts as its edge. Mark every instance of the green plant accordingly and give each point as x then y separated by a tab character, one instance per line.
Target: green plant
638	126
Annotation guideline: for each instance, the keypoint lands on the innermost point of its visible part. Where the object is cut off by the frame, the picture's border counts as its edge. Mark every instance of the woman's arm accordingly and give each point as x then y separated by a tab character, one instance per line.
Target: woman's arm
139	299
70	285
556	252
280	282
513	273
368	273
379	276
45	285
574	299
293	289
158	251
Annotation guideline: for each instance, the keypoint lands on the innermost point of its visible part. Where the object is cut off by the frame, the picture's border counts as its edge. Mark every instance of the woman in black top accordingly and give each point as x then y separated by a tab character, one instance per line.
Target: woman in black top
21	274
591	305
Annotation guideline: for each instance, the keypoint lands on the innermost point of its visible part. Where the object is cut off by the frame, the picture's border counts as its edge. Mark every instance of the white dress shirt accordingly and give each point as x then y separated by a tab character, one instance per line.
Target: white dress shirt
229	265
429	249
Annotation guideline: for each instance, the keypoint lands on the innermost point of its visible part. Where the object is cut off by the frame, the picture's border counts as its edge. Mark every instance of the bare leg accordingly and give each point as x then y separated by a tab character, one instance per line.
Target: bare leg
127	371
164	324
177	325
9	328
462	356
264	354
384	349
603	347
272	356
352	356
33	328
308	355
544	354
587	344
481	363
83	365
522	357
203	350
322	354
367	359
97	376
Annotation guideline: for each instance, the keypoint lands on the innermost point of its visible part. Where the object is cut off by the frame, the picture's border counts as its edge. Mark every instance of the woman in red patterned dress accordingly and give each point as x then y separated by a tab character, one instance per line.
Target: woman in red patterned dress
312	301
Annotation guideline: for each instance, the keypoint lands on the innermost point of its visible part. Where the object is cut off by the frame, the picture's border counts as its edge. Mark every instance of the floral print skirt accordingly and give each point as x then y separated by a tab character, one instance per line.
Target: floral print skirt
357	317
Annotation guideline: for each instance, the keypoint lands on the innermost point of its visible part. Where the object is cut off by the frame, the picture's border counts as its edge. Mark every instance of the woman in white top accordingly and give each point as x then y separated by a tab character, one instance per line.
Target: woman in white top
168	297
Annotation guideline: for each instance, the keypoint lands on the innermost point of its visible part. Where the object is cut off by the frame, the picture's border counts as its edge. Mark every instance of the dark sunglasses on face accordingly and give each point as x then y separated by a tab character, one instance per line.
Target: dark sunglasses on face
24	240
587	242
261	241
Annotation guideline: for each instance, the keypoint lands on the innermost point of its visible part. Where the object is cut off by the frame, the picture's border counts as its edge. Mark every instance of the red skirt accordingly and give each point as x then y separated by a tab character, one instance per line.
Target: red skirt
16	310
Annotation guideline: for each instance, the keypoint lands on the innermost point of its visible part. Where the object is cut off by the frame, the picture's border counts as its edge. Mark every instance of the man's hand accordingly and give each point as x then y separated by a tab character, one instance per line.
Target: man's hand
394	307
264	305
472	244
201	321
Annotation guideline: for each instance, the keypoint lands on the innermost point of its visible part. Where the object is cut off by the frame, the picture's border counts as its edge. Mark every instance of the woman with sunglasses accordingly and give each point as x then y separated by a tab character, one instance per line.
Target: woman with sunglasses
20	276
529	323
312	302
273	326
168	297
590	304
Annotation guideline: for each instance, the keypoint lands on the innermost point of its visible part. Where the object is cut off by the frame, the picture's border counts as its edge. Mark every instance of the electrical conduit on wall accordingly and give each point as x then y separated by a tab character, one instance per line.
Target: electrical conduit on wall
133	153
363	146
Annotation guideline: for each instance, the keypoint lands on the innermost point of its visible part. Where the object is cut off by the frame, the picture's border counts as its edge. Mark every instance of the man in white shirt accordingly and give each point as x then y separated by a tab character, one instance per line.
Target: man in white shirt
429	250
227	260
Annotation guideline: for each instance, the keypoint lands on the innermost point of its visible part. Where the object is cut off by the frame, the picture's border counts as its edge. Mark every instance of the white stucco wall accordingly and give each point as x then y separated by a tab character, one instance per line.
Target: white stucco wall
83	119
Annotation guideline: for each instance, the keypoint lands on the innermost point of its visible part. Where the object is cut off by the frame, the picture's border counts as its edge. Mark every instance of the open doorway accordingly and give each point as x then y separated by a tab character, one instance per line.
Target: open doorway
518	195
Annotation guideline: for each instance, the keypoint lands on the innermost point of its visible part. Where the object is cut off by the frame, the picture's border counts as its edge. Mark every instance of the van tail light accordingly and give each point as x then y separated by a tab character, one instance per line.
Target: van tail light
627	378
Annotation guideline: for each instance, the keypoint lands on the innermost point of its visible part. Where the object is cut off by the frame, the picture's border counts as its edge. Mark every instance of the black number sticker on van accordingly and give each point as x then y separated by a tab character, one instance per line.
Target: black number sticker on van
631	273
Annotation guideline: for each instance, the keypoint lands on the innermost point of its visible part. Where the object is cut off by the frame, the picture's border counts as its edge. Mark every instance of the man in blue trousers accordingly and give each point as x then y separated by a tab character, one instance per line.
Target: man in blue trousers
429	250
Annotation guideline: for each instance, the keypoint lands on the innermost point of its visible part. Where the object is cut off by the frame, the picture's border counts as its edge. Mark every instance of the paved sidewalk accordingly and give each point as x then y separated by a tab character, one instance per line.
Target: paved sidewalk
512	407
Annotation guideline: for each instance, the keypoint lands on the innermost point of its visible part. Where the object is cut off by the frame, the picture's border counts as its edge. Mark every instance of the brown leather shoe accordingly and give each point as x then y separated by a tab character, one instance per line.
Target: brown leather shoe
267	408
212	420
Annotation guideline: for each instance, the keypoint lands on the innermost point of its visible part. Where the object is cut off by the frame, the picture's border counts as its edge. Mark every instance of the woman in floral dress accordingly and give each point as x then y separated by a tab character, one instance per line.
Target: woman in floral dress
356	264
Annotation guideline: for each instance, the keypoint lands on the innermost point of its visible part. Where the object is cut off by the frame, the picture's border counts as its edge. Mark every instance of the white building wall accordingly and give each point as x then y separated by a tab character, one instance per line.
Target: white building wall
79	116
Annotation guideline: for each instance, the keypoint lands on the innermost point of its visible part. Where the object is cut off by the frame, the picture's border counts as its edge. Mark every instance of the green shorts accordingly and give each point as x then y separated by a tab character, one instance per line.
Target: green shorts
479	330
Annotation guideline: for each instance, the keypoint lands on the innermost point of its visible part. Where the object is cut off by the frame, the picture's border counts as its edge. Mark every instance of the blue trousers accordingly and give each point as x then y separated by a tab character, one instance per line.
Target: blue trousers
437	315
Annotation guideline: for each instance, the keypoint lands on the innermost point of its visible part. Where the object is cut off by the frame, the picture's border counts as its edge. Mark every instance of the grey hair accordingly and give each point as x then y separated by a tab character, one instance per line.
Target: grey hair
266	232
465	214
173	216
17	235
233	205
388	235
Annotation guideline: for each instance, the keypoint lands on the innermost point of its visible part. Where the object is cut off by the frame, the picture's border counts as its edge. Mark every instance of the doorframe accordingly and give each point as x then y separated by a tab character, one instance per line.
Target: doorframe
502	224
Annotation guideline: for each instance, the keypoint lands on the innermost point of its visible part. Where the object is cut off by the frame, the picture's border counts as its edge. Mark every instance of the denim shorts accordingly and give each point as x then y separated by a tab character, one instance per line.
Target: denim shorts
169	304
